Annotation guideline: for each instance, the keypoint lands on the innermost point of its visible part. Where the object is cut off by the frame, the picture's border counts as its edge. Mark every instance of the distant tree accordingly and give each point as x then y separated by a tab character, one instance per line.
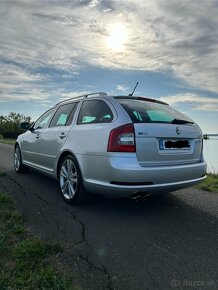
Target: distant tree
9	125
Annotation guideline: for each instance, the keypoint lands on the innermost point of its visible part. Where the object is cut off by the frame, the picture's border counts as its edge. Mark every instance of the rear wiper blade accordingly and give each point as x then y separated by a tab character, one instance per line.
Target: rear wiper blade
180	121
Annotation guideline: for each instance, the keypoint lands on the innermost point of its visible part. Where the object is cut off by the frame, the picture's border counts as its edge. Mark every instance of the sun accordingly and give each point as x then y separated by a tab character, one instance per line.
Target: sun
118	36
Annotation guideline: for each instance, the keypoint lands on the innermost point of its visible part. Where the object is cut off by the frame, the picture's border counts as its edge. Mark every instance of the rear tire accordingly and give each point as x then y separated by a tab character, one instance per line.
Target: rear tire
71	182
18	162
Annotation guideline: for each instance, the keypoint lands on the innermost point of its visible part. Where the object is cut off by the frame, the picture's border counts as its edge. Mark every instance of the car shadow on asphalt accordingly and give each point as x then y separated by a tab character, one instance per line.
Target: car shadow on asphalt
157	206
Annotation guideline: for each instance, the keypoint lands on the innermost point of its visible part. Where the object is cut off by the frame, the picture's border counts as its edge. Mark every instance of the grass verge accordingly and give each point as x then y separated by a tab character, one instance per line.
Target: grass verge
7	141
209	184
26	262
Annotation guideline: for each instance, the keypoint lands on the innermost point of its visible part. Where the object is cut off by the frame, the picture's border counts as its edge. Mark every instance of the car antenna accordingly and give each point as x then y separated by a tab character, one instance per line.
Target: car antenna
134	89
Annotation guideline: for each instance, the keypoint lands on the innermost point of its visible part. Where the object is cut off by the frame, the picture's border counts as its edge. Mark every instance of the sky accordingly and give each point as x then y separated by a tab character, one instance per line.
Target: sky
51	50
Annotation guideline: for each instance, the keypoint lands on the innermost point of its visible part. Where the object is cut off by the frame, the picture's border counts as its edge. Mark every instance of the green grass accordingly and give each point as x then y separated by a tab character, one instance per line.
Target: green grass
27	262
209	184
7	141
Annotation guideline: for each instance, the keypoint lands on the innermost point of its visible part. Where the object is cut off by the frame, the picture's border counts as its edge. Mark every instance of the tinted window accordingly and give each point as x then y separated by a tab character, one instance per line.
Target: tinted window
44	119
95	111
159	115
64	115
149	112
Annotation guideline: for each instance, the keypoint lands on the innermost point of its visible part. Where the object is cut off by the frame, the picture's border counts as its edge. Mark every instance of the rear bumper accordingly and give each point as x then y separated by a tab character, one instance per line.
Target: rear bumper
112	190
122	177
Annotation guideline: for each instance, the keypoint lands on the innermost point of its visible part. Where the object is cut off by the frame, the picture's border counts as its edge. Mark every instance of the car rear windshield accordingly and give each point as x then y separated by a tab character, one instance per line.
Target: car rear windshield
142	111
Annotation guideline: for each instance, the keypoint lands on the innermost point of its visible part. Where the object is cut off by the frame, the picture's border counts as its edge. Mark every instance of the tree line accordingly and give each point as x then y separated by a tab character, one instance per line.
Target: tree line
9	125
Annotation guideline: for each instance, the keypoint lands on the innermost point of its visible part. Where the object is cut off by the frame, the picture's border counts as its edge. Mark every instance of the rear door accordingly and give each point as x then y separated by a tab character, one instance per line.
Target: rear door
163	135
93	127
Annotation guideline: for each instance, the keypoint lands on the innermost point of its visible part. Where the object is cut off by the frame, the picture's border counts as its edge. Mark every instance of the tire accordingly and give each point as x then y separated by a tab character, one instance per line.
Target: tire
71	182
18	162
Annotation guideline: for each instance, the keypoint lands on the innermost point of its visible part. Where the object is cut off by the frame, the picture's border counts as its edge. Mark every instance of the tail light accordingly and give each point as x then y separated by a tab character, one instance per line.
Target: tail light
122	139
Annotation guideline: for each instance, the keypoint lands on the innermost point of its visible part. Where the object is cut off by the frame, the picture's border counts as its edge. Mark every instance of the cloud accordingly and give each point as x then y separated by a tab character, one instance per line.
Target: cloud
123	88
196	102
16	74
17	83
93	3
32	95
163	35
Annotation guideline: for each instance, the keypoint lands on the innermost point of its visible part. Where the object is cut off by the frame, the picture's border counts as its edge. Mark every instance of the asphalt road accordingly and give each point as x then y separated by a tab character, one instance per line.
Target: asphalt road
168	242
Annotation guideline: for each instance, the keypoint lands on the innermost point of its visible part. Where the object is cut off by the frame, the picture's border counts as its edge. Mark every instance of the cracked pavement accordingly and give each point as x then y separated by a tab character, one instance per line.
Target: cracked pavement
122	244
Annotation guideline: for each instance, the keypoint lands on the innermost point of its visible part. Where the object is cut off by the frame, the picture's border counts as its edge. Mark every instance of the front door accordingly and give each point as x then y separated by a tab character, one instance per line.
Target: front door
54	136
30	146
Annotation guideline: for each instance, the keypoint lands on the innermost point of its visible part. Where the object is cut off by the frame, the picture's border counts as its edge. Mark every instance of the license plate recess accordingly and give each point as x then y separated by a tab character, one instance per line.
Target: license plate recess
178	144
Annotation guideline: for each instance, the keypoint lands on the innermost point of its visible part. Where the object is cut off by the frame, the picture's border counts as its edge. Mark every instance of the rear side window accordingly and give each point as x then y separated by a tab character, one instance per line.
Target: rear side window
64	115
94	111
148	112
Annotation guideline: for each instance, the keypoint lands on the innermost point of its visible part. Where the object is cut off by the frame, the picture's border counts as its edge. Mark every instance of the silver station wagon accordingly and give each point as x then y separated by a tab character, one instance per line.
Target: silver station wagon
117	146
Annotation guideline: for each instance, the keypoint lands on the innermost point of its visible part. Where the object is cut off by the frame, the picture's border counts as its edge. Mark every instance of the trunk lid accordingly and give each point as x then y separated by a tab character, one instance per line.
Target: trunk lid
163	135
167	144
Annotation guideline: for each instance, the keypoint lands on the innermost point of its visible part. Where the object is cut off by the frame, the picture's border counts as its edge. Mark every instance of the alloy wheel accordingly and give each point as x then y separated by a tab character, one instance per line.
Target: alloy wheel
68	179
17	159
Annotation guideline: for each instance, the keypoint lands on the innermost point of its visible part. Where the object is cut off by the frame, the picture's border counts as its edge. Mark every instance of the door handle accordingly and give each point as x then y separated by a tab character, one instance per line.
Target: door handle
37	136
62	135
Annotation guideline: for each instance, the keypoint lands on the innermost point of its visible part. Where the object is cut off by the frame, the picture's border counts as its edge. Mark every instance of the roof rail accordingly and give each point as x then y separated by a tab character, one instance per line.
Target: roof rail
83	96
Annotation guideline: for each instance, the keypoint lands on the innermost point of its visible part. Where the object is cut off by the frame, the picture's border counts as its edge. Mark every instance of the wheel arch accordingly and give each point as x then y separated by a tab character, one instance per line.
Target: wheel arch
16	144
62	156
81	195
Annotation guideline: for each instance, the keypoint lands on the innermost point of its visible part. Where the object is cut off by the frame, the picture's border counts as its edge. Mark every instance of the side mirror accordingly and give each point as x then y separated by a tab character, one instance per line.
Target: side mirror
25	125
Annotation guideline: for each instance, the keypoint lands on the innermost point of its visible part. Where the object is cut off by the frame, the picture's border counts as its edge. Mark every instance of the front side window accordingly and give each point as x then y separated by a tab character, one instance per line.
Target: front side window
42	122
95	111
64	115
141	111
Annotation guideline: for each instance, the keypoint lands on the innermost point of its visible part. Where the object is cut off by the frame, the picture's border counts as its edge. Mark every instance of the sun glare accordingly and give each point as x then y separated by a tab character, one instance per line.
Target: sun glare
118	36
